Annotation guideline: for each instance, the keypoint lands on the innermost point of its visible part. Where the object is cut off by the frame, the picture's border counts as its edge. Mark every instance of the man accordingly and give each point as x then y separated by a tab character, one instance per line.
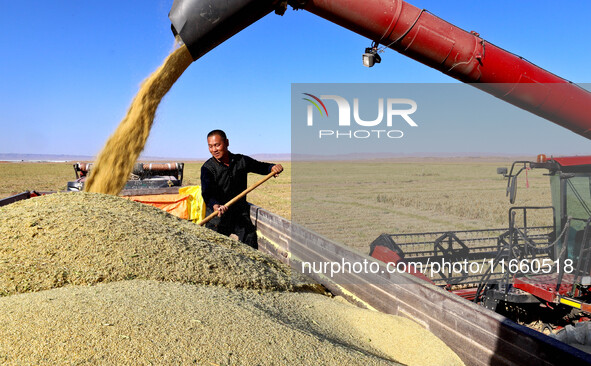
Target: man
223	177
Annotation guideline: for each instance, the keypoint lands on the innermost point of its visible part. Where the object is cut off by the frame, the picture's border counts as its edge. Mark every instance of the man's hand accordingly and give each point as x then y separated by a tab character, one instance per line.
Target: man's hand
276	169
221	209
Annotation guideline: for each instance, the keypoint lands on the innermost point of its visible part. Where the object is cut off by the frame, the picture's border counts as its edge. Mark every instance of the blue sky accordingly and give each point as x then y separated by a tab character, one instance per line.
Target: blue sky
69	70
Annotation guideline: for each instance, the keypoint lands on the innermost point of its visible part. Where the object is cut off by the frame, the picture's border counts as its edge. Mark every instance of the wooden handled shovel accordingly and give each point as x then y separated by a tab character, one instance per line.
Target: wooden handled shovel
233	200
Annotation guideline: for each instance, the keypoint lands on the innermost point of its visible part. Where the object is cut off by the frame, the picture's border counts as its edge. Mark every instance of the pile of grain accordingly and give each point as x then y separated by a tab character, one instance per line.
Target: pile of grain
130	318
88	238
148	322
124	248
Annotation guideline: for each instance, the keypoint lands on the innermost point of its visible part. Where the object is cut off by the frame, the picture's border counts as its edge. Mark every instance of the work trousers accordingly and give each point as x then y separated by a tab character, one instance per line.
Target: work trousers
235	222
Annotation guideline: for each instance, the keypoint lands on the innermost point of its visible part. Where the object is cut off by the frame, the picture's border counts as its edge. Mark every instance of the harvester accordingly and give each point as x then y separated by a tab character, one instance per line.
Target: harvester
524	264
525	271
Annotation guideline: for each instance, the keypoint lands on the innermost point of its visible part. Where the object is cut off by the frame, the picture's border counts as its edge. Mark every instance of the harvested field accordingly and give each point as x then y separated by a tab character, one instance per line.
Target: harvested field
19	177
53	247
353	202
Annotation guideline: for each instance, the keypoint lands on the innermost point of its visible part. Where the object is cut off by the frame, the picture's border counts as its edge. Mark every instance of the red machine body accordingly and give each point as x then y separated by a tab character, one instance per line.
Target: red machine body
416	33
465	56
573	160
544	286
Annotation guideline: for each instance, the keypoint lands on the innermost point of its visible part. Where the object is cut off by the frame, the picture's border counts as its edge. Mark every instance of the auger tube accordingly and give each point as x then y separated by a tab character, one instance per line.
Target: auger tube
416	33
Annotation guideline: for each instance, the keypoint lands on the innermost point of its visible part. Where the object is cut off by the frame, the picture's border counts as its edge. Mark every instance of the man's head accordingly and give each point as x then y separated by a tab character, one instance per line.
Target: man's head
218	145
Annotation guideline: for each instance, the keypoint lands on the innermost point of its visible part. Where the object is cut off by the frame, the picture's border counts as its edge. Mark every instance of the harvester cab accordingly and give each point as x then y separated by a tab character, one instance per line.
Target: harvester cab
567	276
143	176
570	184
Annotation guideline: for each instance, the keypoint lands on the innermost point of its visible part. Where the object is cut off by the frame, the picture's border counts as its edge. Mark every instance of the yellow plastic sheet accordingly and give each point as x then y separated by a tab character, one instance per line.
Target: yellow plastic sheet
195	202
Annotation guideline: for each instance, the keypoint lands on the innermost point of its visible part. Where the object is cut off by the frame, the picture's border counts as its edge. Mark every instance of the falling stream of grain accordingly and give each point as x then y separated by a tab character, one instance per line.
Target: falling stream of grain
115	162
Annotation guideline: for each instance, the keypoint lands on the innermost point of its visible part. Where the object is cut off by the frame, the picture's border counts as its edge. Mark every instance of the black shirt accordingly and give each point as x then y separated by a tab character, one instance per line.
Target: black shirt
221	183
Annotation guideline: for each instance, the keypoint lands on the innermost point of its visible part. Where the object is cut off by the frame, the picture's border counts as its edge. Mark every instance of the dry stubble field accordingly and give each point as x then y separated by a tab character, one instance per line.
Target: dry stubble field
354	202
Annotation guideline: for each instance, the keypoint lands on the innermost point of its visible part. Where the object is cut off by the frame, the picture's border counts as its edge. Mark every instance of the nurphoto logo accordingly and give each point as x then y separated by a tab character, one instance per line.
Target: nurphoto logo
395	110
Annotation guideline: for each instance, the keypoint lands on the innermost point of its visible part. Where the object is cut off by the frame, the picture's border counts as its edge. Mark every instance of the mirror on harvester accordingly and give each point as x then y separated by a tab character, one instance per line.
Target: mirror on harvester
512	189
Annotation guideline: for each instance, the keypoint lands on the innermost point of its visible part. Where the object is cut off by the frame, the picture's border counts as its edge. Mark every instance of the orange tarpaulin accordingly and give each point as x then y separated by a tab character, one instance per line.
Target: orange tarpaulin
175	204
